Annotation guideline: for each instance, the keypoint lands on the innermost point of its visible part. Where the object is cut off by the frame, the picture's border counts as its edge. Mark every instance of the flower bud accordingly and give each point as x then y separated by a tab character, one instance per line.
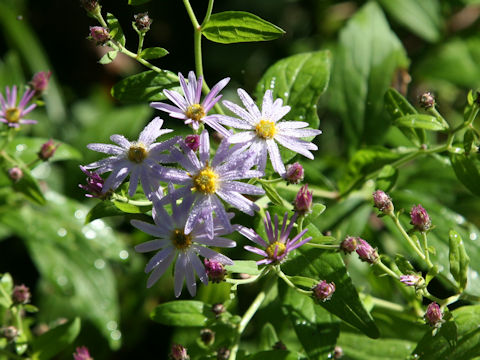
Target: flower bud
349	245
94	184
366	252
82	354
178	352
420	219
294	173
303	200
383	202
47	150
99	34
323	291
21	294
223	353
142	22
193	142
91	6
207	336
218	309
427	100
337	352
215	271
279	345
433	315
39	82
10	333
15	174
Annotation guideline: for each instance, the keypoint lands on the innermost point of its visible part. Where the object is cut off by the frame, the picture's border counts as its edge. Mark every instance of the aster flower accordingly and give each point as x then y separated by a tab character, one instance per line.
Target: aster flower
82	354
13	114
94	184
209	181
138	158
277	246
265	130
173	241
188	106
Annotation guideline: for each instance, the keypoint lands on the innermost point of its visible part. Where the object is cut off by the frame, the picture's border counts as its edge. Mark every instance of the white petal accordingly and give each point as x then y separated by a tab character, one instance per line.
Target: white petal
242	137
249	104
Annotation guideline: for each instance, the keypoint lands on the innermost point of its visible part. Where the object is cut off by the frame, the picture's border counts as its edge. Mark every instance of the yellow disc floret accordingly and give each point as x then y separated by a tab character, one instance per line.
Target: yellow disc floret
266	129
205	181
278	246
180	240
195	112
137	153
12	115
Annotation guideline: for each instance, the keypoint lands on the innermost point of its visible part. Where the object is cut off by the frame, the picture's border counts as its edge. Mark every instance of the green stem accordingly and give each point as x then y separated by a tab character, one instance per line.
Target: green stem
141	37
8	138
425	248
406	236
386	269
123	199
272	181
386	304
300	223
4	293
323	246
289	283
249	280
209	12
317	191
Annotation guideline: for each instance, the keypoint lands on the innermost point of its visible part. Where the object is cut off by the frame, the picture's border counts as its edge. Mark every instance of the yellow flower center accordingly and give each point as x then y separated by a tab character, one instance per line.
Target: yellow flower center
195	112
180	240
266	129
272	247
12	115
137	153
206	181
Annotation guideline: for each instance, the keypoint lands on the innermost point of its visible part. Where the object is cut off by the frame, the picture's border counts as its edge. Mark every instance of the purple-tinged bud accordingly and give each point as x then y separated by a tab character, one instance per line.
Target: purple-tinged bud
337	352
366	252
207	336
143	22
303	200
39	82
94	184
10	333
82	354
179	352
215	271
427	100
21	294
323	291
349	245
420	219
294	173
279	345
383	202
218	309
223	353
91	6
99	34
433	315
409	280
47	150
193	142
15	174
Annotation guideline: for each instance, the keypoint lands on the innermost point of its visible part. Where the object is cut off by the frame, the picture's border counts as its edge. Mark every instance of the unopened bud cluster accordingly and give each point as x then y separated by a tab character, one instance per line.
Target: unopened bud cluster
383	202
143	22
47	150
193	142
413	280
10	333
427	100
99	34
39	82
21	294
15	174
215	271
364	250
303	201
294	173
178	352
420	219
323	291
434	316
207	336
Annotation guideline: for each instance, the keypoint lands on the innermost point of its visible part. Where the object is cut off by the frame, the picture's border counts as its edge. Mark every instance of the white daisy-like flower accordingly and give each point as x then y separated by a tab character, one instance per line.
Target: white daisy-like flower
139	158
189	108
264	129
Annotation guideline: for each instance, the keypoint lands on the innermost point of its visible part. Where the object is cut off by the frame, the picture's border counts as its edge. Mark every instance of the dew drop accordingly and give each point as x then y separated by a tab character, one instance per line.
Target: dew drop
62	232
62	280
473	236
112	325
20	147
116	335
98	224
90	234
99	264
80	214
123	254
286	94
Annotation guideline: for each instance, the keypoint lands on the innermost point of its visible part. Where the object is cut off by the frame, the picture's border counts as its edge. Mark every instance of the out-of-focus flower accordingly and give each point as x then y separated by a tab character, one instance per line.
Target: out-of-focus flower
39	82
303	200
94	186
349	245
193	142
99	34
223	353
143	22
433	315
13	114
179	352
207	336
10	333
173	240
82	354
218	309
264	129
15	174
337	352
383	202
323	291
278	245
294	173
21	294
138	158
215	270
366	252
188	106
420	219
47	150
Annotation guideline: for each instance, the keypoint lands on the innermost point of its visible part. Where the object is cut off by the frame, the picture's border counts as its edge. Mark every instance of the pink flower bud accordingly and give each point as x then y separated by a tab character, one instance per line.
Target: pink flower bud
82	354
223	353
142	22
218	309
39	81
47	150
215	271
94	184
427	100
303	200
193	142
15	174
383	202
337	352
90	6
433	315
349	245
420	219
99	34
294	173
366	252
179	352
323	291
21	294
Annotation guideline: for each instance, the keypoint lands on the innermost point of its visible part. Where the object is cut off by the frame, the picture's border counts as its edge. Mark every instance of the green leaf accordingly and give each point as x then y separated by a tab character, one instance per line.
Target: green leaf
6	283
268	336
146	86
230	27
458	259
47	345
403	264
130	208
431	274
103	209
303	281
387	178
457	339
137	2
345	303
299	80
153	53
272	193
420	121
467	170
469	141
243	267
108	57
368	54
29	187
115	29
423	18
27	148
273	355
182	313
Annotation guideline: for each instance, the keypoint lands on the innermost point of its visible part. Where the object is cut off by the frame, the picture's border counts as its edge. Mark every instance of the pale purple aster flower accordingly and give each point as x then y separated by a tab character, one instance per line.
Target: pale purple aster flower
188	106
278	245
209	181
13	114
409	280
265	129
138	158
172	240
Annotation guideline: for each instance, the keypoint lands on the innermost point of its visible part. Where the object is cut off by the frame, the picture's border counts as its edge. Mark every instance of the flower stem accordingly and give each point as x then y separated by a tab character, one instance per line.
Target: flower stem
386	304
323	246
123	199
289	283
406	236
209	12
425	248
386	269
